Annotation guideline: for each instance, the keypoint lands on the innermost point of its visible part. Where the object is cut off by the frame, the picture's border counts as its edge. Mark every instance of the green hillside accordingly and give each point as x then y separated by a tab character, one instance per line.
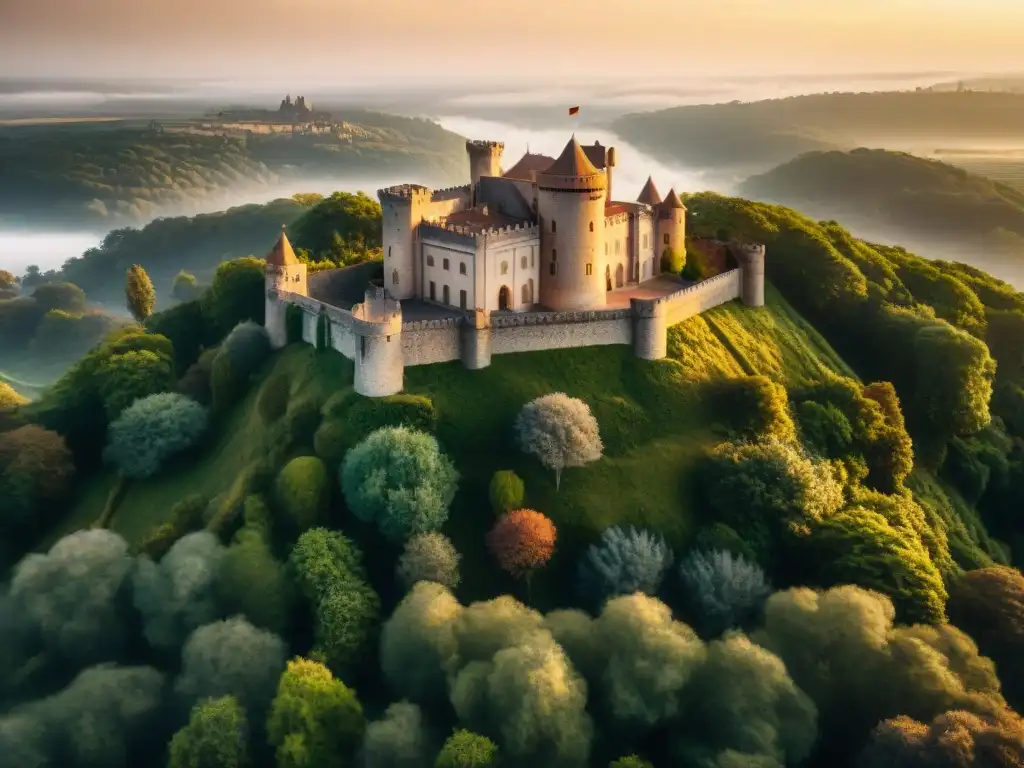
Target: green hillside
893	191
758	135
647	455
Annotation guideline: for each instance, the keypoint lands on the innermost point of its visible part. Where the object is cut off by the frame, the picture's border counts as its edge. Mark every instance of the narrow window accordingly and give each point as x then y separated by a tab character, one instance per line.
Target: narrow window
590	268
394	277
617	244
446	296
430	261
522	262
504	267
554	228
554	267
532	262
362	347
445	264
666	238
606	249
462	299
591	226
389	251
462	267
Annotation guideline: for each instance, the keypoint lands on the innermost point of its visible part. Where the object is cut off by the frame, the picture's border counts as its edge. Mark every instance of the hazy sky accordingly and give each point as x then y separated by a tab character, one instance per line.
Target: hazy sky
337	40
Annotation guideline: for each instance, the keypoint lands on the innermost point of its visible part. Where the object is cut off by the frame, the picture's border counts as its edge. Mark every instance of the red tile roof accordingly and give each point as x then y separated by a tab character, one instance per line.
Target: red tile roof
528	166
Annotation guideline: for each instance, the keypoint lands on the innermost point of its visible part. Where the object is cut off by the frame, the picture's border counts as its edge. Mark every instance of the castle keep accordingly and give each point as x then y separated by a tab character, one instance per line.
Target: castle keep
536	257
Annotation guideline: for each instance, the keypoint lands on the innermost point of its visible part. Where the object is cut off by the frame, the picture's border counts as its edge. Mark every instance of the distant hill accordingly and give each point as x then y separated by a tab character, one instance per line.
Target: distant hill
121	172
754	136
901	198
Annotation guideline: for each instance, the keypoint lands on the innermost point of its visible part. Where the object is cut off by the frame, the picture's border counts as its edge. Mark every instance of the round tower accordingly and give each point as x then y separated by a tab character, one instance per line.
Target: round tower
750	257
484	159
379	362
571	197
284	274
671	233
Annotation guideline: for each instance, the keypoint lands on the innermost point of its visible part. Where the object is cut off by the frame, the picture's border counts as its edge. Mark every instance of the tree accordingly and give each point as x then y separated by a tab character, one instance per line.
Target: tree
125	378
315	719
216	736
151	431
398	479
429	556
253	583
139	293
560	431
506	491
236	294
247	347
9	398
956	738
625	561
522	541
185	287
66	296
36	469
400	739
988	604
302	491
465	749
723	588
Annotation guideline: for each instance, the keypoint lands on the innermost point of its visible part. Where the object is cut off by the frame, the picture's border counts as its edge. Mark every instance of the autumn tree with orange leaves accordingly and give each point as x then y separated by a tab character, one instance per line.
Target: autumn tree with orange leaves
522	541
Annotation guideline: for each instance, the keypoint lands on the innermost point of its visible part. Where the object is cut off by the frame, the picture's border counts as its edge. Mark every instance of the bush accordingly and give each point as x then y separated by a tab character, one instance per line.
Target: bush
465	749
522	541
197	381
329	572
429	557
9	398
185	287
254	584
36	470
560	431
672	261
725	590
125	378
825	429
187	329
625	561
630	761
273	400
399	738
753	406
315	719
368	414
721	536
227	385
247	348
186	517
153	430
330	442
302	491
507	491
398	479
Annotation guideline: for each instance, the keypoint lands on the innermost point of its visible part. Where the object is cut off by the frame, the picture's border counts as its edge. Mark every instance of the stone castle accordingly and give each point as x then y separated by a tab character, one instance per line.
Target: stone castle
536	257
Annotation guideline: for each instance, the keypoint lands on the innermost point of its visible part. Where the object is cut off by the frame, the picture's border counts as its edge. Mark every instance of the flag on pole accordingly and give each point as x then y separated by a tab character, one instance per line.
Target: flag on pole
573	110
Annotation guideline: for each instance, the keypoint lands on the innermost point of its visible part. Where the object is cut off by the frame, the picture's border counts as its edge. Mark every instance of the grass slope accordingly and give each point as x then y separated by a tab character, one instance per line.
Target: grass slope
651	418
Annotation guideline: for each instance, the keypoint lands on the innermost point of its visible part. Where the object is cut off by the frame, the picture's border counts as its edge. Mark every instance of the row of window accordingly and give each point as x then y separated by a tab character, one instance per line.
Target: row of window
523	261
504	295
445	264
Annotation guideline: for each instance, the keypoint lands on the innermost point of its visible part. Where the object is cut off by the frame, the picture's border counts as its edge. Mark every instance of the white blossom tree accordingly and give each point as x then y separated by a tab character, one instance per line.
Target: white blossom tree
560	431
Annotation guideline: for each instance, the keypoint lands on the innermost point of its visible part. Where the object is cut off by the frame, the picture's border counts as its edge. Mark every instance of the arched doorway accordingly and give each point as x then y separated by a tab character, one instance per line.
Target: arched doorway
504	299
607	277
619	276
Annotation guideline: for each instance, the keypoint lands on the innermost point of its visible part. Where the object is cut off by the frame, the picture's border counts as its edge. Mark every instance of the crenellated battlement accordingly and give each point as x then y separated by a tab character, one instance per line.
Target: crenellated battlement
510	232
520	319
477	145
450	193
405	193
432	325
447	233
616	218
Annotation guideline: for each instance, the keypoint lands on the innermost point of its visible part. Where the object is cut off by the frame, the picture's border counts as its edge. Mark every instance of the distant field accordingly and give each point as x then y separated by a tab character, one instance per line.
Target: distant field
60	120
1005	168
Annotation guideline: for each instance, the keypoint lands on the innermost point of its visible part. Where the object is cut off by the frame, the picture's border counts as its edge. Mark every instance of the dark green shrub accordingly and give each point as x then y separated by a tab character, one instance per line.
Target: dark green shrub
672	261
237	294
506	491
125	378
825	428
368	414
302	491
338	404
151	431
247	347
253	583
273	400
752	406
329	442
186	327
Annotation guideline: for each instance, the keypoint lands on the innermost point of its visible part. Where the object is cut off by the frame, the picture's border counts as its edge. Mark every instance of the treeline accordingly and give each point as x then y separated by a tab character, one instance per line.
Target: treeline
947	335
894	191
766	133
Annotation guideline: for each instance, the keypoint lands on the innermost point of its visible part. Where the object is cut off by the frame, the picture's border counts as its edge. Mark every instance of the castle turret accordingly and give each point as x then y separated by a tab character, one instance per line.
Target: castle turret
284	274
571	197
750	257
379	362
609	165
671	232
484	160
402	208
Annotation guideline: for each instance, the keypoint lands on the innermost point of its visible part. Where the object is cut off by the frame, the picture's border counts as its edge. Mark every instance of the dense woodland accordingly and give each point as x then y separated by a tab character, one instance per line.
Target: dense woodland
107	174
900	194
755	136
786	544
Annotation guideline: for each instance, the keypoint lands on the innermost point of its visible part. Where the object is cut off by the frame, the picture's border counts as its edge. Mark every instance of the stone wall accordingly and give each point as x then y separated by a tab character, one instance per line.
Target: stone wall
344	287
701	296
431	341
530	337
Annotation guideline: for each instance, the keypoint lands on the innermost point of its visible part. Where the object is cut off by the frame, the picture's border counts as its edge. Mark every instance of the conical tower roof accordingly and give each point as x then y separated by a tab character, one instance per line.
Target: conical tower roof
572	162
282	254
649	195
672	200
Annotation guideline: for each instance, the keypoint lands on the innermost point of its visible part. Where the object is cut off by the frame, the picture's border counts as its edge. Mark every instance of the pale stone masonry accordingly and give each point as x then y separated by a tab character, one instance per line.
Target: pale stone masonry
536	257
